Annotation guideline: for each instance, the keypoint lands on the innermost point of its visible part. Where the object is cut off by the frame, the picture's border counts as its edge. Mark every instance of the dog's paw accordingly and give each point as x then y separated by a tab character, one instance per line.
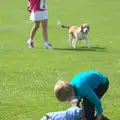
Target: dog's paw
89	47
74	47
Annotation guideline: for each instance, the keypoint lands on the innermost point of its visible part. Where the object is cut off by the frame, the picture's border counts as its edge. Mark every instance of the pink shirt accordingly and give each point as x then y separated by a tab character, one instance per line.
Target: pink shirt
34	5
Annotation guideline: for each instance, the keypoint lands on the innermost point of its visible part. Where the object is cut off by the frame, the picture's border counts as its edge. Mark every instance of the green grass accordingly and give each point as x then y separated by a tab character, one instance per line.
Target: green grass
27	76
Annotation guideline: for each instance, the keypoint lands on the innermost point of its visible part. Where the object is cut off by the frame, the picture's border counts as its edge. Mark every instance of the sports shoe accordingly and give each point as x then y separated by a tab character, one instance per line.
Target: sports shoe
47	46
30	43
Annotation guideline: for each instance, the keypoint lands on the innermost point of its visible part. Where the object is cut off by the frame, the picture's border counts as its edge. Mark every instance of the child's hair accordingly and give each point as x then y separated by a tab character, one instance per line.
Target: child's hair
63	91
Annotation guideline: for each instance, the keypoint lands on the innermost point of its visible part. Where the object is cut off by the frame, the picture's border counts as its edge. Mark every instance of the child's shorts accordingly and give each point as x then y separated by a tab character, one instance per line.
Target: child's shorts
39	15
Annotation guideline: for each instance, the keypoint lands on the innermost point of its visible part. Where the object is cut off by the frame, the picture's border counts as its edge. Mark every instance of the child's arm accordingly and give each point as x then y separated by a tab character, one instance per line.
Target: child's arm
28	8
75	102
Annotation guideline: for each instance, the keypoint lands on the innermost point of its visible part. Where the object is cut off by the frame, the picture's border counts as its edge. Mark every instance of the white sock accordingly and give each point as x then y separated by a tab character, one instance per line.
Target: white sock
45	42
29	41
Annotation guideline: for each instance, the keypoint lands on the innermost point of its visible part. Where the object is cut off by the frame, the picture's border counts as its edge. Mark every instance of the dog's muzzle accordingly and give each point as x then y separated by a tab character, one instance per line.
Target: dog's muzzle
85	30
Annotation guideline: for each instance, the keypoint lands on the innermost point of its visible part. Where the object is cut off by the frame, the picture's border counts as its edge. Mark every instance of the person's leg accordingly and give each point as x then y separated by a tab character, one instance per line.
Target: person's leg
45	30
32	34
34	29
45	33
89	108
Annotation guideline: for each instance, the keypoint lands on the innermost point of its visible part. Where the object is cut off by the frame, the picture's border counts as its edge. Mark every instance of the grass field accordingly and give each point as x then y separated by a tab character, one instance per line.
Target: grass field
27	76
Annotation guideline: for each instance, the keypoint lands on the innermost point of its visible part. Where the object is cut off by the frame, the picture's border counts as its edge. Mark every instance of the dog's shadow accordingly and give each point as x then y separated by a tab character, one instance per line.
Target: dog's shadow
82	48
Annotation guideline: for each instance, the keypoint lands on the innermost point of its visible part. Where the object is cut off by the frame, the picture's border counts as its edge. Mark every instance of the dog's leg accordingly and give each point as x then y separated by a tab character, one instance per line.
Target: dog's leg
70	40
87	43
75	42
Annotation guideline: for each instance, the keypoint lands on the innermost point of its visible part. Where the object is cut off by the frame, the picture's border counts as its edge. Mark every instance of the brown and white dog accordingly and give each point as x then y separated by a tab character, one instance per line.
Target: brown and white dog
76	33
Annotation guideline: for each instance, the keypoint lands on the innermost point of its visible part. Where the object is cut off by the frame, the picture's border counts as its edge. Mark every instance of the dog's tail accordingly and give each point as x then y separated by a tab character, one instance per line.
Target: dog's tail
63	26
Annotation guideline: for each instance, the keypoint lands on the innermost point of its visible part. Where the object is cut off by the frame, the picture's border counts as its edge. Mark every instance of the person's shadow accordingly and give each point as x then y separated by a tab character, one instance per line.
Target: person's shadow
82	48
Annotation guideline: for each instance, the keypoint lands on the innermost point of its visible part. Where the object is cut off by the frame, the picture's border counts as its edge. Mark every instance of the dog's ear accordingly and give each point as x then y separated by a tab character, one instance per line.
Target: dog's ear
81	28
48	117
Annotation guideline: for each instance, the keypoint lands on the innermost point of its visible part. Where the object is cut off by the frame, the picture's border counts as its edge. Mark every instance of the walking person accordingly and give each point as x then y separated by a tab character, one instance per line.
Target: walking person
39	16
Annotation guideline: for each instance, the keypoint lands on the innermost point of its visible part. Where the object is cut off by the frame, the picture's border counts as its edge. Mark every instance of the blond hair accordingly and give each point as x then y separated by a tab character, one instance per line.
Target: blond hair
63	91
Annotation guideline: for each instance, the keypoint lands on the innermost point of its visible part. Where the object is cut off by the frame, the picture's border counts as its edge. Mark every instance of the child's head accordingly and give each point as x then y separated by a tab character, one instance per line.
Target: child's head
63	91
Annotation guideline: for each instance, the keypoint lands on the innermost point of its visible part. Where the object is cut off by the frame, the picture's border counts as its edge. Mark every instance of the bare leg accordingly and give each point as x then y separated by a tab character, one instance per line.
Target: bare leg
32	34
45	30
45	33
34	29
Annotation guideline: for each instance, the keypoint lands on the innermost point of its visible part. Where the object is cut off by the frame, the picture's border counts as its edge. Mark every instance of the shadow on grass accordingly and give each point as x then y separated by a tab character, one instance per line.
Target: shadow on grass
98	49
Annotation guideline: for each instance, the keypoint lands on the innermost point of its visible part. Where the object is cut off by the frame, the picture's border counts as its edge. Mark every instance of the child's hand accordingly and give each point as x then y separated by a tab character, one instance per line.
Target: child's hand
74	102
99	117
28	8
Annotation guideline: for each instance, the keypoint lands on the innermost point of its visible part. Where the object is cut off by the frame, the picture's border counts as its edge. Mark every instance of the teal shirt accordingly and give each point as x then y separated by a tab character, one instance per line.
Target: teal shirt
84	84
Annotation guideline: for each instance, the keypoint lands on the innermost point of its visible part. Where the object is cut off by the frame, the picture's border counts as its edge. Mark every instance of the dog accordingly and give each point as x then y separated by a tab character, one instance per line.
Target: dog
76	33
